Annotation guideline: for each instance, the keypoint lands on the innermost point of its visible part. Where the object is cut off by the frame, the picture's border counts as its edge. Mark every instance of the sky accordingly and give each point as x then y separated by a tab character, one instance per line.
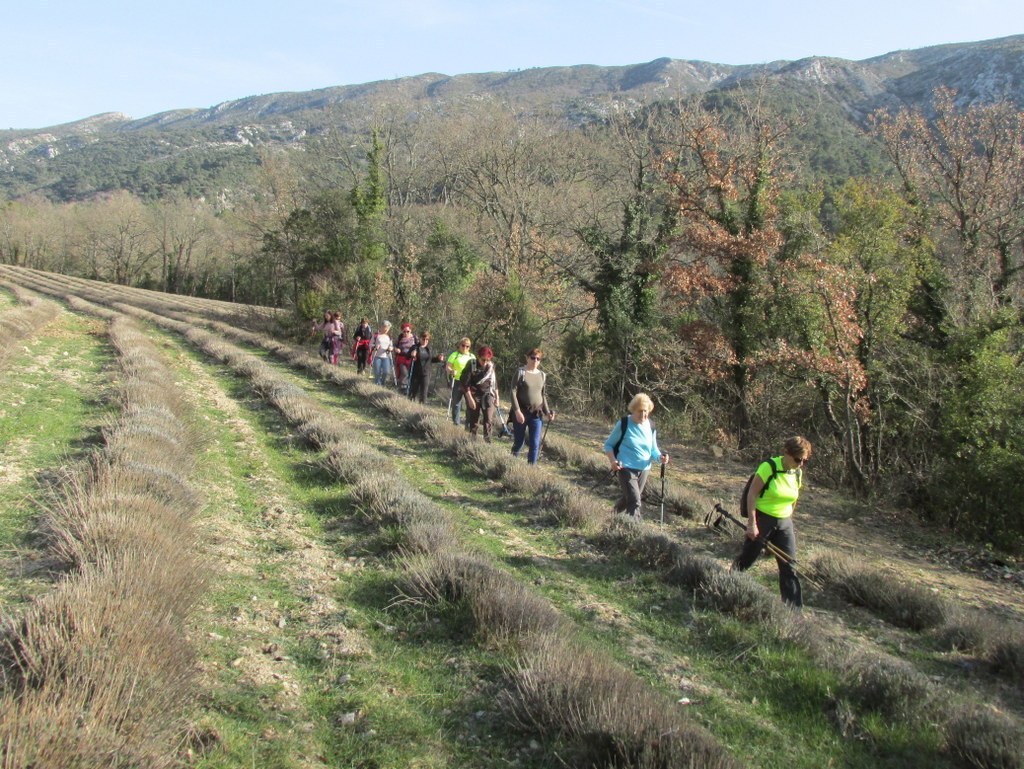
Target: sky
63	60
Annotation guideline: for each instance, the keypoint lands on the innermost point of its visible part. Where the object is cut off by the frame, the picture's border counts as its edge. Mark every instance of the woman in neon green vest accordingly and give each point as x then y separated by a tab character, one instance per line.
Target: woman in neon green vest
454	365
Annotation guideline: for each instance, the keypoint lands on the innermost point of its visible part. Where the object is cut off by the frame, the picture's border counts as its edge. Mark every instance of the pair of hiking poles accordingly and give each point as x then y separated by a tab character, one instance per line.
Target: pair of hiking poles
714	523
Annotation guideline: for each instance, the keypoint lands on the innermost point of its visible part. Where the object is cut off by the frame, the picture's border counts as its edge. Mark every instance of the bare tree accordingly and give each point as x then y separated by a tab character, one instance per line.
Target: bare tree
964	169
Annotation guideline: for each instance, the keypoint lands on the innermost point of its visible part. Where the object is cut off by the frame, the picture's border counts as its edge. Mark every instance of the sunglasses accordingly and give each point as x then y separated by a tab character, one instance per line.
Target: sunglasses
534	357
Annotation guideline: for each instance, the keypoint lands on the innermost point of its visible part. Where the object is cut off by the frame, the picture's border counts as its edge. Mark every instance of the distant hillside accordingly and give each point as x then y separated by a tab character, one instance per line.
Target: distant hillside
204	151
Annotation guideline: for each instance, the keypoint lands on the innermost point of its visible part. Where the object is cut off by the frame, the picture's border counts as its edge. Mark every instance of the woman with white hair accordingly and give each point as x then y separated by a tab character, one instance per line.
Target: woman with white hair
631	448
382	349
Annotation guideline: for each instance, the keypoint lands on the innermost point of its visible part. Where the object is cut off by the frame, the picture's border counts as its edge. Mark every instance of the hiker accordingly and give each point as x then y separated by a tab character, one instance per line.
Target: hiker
404	344
454	365
381	351
323	327
631	448
529	406
362	337
419	369
479	383
771	500
338	337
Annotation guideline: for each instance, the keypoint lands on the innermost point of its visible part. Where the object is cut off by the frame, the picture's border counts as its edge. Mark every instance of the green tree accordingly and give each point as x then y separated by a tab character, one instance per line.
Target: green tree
979	472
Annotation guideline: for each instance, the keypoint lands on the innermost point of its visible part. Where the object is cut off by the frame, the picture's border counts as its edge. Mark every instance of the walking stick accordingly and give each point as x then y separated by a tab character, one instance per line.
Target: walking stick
505	432
544	434
782	555
610	475
662	493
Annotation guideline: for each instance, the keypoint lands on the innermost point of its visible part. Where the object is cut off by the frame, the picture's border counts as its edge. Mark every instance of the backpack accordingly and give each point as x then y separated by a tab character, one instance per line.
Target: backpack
622	434
744	512
521	377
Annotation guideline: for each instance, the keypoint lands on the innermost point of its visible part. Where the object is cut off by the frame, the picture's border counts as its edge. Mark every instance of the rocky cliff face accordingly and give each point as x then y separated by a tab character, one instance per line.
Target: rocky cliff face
987	71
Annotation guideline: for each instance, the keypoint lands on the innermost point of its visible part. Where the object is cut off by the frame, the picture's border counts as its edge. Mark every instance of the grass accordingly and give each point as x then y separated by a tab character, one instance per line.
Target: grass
51	408
811	762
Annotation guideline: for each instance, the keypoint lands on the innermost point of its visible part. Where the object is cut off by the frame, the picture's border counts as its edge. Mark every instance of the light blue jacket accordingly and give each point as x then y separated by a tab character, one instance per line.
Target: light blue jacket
640	446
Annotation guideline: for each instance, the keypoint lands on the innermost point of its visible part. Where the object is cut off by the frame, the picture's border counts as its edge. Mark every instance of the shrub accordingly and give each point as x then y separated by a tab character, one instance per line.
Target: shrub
901	604
560	688
972	631
1007	657
887	685
984	739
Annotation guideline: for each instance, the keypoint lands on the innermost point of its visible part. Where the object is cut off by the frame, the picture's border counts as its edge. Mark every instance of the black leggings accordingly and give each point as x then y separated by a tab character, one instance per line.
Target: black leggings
780	532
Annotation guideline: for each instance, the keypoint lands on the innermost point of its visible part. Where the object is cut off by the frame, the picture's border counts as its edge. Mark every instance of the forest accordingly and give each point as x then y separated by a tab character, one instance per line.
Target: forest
754	267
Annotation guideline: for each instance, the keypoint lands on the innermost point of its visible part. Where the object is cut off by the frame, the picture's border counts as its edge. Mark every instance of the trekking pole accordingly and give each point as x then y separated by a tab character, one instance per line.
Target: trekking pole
605	478
770	547
544	434
782	555
662	493
505	432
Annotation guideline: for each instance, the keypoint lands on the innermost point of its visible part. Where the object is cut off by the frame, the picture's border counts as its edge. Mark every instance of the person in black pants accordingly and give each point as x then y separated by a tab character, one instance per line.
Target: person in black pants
419	369
772	499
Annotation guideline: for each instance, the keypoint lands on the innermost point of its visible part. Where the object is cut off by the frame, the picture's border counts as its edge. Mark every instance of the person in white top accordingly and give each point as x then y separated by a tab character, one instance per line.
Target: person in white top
382	349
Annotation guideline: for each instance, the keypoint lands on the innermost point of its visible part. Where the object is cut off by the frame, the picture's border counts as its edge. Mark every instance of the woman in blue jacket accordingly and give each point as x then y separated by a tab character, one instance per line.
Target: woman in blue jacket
631	448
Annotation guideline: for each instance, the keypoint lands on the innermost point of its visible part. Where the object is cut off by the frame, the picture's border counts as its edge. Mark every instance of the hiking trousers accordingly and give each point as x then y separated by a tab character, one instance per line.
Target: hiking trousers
533	425
632	483
484	412
781	533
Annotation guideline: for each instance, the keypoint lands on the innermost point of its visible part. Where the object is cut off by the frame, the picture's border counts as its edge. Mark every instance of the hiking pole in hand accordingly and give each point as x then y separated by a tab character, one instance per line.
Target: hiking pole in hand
610	475
663	493
543	435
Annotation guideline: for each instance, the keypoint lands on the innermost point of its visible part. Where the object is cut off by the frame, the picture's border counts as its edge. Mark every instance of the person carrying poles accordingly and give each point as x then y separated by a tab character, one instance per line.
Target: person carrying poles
479	383
529	406
631	447
771	500
362	337
381	351
404	344
454	365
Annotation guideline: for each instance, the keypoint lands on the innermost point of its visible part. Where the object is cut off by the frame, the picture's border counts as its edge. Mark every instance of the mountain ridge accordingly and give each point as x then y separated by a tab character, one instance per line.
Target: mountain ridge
43	160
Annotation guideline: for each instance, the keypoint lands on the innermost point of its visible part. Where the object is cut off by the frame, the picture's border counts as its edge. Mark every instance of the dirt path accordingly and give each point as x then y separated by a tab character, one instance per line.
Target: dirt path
255	635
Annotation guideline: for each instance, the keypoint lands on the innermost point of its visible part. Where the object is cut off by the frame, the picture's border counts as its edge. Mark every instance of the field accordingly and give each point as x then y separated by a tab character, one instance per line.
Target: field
219	551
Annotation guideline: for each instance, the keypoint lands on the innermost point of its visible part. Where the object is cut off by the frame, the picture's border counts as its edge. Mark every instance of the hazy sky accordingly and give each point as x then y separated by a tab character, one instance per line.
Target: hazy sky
61	60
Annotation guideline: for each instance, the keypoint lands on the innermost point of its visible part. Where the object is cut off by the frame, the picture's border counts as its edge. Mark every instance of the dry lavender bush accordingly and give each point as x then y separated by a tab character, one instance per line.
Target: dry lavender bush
901	604
21	322
869	684
98	672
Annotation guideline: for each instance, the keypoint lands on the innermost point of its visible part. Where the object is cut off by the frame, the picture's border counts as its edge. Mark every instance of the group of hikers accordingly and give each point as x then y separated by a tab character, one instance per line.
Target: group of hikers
404	360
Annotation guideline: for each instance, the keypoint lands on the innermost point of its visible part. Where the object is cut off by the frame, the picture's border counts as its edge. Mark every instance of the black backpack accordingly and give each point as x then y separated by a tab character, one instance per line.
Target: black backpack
623	423
744	512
